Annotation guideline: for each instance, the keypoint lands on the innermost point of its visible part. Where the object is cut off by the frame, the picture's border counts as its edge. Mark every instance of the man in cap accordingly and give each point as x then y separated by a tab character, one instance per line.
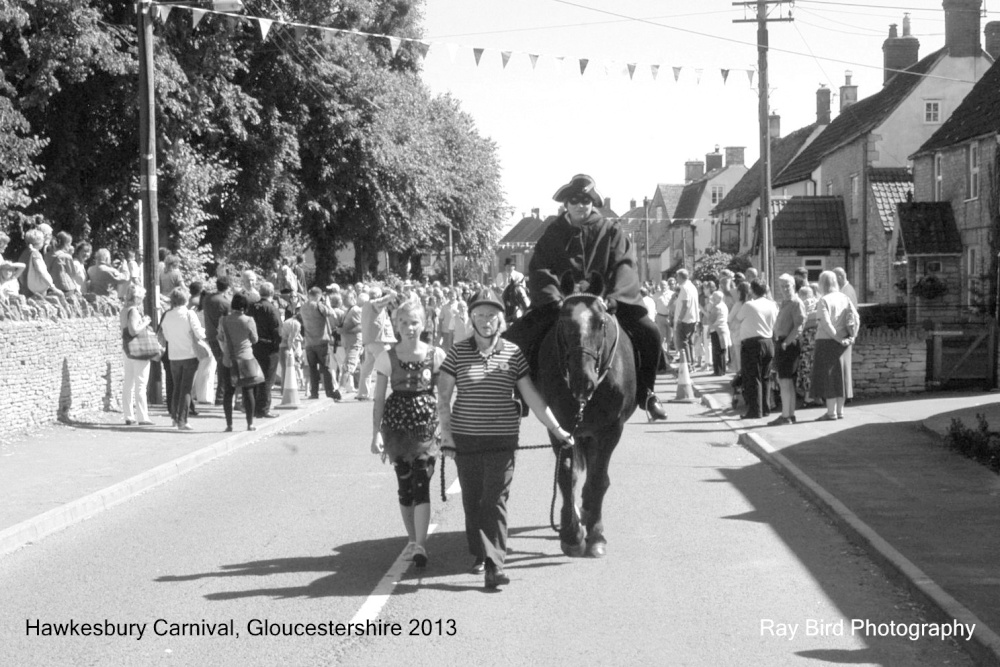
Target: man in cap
581	241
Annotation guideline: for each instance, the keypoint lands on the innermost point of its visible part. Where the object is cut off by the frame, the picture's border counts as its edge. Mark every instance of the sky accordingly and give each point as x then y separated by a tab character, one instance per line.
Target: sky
550	122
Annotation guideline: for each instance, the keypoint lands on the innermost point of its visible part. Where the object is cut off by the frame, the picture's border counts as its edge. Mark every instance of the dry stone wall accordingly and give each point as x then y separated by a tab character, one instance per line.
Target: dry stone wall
889	362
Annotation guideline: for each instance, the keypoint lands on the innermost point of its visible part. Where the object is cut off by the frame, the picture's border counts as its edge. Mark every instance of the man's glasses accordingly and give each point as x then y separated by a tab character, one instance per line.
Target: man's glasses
485	317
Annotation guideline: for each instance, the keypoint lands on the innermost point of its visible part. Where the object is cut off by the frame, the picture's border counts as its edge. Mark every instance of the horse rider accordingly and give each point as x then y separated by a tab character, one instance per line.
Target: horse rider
508	275
580	240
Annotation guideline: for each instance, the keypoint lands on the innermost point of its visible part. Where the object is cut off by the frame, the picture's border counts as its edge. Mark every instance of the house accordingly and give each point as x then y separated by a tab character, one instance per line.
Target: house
810	232
690	231
882	130
956	170
647	223
736	214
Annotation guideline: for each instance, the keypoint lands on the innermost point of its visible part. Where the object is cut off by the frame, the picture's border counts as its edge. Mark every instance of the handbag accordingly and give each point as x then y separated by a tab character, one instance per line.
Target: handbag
201	349
144	345
246	373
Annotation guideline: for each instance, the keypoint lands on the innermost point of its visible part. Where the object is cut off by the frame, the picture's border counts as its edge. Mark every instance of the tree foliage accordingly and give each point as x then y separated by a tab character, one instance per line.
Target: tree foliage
298	138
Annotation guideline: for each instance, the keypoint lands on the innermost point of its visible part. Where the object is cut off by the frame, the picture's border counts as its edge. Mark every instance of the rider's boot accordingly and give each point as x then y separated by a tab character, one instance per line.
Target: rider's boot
654	408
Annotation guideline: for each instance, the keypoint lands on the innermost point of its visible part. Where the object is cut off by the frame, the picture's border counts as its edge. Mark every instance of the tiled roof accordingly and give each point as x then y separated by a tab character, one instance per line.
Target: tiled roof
528	230
660	245
928	228
670	194
890	186
687	207
782	151
858	119
811	222
978	114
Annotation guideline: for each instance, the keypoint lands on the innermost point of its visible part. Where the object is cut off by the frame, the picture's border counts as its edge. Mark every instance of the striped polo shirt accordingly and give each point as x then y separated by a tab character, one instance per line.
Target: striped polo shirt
484	388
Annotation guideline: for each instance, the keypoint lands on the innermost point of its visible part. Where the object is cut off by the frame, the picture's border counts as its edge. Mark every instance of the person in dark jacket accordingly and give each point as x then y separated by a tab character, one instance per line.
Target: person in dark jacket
217	306
581	241
267	317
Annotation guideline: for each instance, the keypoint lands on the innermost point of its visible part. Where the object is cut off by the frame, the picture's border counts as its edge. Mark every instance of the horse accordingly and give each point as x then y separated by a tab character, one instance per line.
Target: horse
515	300
590	386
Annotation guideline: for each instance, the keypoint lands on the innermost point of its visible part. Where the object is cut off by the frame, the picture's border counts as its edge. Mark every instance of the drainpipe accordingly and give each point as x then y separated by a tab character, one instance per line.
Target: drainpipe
864	222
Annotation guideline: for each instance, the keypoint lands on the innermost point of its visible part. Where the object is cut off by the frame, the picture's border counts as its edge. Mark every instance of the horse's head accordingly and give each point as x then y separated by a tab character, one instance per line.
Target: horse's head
586	336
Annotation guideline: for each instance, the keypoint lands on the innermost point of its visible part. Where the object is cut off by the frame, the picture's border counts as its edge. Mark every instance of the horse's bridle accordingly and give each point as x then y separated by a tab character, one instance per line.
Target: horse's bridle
603	363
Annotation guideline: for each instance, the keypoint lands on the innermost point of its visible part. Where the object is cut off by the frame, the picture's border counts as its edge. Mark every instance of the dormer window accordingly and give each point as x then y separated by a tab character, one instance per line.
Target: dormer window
932	111
718	194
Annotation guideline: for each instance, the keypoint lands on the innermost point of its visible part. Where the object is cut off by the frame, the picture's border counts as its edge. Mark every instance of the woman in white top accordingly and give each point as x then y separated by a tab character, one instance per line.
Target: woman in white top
136	374
837	325
181	328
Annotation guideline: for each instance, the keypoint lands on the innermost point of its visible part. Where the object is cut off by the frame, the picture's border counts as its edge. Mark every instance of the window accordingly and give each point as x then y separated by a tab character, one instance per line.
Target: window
829	188
972	171
972	275
814	266
718	193
938	169
855	197
932	111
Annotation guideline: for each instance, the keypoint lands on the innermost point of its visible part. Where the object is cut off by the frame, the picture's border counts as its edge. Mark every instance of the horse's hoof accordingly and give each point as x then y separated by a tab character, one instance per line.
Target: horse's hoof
572	549
596	550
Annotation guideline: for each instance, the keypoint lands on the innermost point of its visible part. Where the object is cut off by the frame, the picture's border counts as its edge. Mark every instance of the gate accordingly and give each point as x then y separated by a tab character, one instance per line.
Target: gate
962	356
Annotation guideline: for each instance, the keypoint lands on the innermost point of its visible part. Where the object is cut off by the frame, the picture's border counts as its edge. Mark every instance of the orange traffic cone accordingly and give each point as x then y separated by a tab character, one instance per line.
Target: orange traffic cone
685	392
289	383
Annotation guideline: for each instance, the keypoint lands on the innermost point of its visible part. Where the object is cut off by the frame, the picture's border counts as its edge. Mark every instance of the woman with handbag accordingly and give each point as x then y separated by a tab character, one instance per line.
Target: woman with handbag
237	334
140	346
183	333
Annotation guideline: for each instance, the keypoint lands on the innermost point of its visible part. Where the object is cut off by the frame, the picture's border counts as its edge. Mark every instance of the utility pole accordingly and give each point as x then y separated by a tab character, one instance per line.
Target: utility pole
763	113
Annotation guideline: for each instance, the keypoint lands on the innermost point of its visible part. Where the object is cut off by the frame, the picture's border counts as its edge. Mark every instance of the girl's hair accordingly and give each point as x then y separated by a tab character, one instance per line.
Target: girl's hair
743	289
34	237
410	305
64	240
81	247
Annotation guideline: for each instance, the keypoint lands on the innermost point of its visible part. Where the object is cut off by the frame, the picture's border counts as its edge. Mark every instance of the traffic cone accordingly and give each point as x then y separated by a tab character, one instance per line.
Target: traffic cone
289	383
685	392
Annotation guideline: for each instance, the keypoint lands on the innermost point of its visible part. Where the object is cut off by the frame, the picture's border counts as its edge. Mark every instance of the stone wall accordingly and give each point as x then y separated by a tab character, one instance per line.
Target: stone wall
889	362
50	369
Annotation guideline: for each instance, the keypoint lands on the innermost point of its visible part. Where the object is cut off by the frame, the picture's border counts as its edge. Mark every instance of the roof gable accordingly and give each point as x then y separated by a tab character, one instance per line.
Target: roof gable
928	228
668	194
977	115
782	151
526	231
687	207
858	119
811	222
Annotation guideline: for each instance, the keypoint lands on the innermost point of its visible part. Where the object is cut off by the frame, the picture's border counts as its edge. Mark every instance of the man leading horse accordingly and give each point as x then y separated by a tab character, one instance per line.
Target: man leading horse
581	241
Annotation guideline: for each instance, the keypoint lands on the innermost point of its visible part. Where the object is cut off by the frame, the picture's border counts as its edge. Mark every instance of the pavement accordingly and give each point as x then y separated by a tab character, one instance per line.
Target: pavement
883	474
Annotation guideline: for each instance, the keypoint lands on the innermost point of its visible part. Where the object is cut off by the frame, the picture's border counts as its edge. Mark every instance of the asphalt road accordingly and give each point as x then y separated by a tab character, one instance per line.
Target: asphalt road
712	560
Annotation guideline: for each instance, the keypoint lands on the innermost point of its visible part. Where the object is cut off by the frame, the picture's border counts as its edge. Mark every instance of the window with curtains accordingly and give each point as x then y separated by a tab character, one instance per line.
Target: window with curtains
972	171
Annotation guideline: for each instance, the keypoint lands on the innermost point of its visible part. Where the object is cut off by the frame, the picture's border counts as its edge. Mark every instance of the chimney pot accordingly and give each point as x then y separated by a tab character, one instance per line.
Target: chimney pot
774	126
899	53
713	161
848	92
734	154
906	24
993	39
536	213
693	170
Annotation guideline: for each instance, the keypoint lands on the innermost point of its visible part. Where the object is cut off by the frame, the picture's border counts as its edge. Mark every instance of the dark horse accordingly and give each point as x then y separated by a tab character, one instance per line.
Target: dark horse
515	300
590	384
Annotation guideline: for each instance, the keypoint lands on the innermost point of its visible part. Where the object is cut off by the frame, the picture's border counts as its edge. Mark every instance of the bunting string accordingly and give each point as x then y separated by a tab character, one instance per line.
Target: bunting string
301	31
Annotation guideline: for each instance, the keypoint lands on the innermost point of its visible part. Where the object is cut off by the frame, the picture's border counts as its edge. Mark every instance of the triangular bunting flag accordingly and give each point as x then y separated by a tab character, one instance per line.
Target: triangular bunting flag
583	65
478	53
750	76
422	48
559	63
534	60
505	55
300	33
725	76
631	70
677	73
164	11
265	27
394	43
655	69
196	16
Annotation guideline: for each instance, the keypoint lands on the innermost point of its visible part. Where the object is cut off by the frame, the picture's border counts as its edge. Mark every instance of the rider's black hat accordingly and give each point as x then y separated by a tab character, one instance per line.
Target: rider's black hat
581	184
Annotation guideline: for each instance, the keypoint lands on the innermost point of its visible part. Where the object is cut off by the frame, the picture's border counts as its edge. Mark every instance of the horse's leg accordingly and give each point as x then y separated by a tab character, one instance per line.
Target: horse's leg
571	531
595	488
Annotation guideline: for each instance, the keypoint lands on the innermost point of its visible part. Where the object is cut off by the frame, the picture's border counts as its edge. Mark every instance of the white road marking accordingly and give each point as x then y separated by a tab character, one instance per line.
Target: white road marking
372	606
454	488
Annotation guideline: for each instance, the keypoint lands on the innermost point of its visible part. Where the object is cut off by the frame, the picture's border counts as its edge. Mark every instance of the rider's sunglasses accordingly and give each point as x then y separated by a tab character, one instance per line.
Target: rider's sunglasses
579	199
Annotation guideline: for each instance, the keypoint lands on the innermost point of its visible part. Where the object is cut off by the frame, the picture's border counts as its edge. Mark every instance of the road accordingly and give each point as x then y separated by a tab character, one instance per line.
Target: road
712	560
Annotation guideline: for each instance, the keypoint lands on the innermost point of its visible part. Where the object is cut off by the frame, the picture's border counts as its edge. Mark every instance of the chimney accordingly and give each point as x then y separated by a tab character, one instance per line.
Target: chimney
536	213
993	39
899	53
693	170
607	203
631	205
823	105
848	93
773	128
713	161
734	154
961	28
